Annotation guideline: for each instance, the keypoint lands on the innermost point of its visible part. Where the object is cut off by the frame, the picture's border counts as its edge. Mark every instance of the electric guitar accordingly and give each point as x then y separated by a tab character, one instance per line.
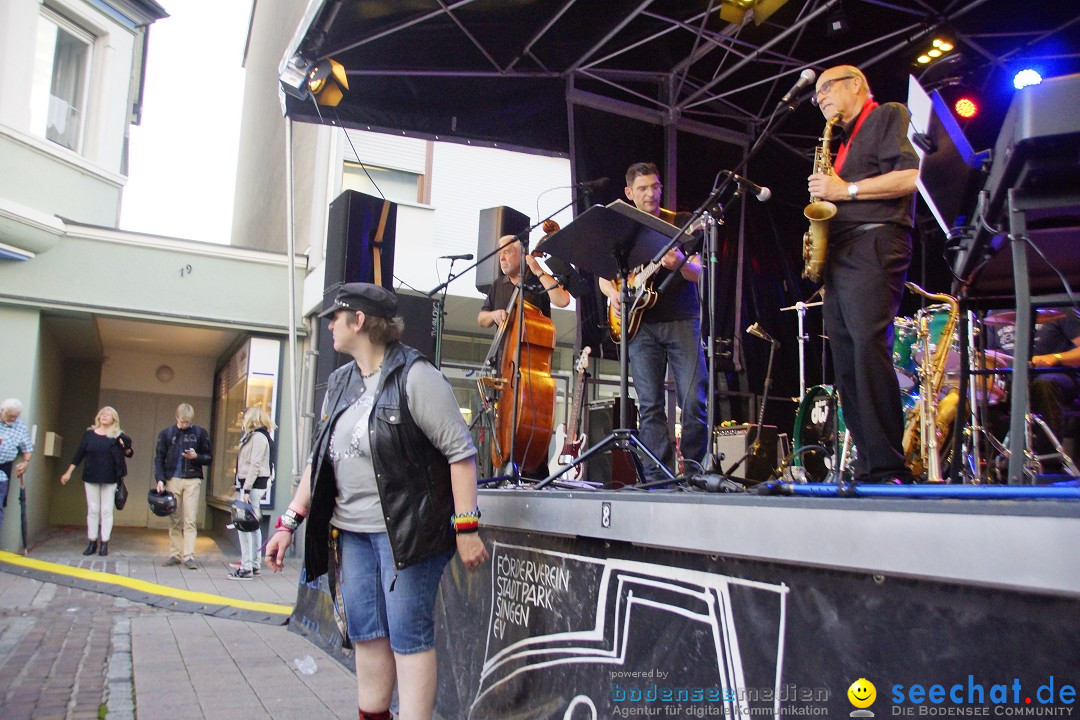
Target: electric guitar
642	294
572	441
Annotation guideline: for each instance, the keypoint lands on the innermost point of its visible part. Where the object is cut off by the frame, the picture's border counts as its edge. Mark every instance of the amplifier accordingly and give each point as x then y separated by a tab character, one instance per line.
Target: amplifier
733	441
613	468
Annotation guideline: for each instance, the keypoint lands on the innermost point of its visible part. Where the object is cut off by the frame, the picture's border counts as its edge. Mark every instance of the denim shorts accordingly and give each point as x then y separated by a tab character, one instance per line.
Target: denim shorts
406	615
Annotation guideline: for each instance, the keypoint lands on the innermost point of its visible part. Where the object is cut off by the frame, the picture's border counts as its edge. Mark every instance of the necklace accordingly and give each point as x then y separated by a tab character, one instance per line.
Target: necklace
368	376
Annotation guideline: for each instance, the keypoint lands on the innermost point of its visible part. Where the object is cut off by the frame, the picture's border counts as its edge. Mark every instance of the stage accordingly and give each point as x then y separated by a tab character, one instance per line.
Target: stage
686	604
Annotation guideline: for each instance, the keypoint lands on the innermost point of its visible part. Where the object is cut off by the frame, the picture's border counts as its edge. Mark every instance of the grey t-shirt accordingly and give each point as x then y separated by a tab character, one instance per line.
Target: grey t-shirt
436	412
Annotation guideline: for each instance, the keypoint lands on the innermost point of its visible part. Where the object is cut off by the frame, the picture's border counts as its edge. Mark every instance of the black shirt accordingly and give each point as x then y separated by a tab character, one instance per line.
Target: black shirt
880	146
502	290
103	457
680	299
1050	337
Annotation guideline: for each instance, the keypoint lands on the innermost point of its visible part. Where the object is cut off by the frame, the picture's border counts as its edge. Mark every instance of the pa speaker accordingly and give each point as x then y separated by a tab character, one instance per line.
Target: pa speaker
418	313
734	441
613	468
360	240
494	223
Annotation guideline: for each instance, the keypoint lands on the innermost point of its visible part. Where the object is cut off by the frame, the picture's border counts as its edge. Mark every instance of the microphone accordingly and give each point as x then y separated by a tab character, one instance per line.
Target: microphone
806	77
466	256
590	185
757	331
758	191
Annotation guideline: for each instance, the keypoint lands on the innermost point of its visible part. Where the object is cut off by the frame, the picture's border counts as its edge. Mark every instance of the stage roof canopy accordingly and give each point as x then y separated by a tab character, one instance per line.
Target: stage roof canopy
511	72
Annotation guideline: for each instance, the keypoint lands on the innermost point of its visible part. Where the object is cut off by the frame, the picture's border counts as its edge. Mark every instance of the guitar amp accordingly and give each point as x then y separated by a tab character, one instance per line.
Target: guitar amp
614	468
731	442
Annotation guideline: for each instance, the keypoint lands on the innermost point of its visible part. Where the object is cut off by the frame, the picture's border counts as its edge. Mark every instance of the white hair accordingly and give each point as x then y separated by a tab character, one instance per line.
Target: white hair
11	404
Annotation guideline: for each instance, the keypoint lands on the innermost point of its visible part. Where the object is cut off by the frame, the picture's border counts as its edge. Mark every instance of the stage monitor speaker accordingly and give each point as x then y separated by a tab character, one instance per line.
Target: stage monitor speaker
732	442
360	228
614	468
494	223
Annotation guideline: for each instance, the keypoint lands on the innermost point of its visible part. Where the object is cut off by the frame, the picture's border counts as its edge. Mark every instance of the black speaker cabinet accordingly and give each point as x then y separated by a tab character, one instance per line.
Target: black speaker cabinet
613	468
352	236
494	223
732	442
418	313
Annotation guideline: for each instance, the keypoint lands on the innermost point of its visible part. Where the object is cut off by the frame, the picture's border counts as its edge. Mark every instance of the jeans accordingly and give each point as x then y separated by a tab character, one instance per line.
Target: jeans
654	346
99	510
407	614
184	524
250	541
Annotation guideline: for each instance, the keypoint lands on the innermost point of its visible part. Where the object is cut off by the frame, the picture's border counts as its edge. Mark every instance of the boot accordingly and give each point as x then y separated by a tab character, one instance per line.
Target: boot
91	548
103	549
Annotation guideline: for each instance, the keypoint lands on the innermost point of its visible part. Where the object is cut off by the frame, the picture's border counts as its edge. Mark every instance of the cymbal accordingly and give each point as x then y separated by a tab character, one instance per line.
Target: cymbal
1008	317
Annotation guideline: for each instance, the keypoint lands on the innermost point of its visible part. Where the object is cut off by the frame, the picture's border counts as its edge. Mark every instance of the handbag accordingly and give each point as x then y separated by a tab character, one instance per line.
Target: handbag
120	499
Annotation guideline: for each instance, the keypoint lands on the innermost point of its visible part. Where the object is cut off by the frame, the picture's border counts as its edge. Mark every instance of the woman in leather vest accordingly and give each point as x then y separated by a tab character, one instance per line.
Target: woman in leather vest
390	494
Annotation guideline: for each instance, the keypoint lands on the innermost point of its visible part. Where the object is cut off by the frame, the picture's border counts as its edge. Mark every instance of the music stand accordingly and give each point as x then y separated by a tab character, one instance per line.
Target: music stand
608	241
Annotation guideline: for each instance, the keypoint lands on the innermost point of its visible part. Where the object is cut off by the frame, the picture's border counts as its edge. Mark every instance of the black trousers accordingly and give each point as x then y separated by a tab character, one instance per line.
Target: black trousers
864	283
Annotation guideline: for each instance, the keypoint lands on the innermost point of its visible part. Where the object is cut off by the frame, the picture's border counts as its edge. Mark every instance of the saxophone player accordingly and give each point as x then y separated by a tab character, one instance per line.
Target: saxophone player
873	186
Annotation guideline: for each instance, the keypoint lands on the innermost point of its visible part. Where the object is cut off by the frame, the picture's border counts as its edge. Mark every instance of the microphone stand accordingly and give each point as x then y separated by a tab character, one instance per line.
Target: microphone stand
755	448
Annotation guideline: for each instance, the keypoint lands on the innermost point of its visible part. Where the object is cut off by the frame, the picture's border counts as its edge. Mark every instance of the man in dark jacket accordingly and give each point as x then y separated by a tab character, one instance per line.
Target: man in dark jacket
182	450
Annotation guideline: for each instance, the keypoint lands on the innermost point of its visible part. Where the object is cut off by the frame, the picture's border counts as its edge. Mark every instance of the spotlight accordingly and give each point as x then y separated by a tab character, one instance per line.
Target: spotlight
836	22
1026	77
923	59
293	78
327	82
966	108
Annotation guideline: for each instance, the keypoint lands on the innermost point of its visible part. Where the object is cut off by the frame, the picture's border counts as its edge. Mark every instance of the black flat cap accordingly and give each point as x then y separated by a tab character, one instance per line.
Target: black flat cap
371	299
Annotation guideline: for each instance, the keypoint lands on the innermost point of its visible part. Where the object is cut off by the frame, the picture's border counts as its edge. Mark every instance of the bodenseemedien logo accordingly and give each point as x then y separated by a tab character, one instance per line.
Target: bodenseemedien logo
862	694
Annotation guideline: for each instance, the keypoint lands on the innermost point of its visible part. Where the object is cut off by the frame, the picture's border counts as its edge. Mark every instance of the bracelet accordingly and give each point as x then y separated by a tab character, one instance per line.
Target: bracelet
465	522
281	525
465	532
297	511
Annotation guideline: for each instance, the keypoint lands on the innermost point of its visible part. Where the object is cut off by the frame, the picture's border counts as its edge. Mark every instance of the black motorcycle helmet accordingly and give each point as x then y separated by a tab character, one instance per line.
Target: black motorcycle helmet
162	504
244	517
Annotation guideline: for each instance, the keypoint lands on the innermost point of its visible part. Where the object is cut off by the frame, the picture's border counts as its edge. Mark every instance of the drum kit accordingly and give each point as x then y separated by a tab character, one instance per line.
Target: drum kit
823	447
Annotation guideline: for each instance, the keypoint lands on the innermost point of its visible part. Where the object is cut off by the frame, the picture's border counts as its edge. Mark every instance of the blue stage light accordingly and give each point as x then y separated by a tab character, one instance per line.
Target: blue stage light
1026	77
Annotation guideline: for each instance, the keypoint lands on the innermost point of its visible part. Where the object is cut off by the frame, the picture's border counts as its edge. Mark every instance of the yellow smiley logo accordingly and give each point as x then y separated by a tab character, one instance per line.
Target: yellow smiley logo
862	693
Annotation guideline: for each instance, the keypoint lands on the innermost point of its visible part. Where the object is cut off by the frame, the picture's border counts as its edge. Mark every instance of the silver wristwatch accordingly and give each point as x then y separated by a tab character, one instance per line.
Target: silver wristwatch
852	191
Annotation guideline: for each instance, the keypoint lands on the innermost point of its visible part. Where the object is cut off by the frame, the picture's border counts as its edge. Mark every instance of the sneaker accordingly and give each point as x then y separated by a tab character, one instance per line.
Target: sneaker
256	571
241	574
171	561
190	564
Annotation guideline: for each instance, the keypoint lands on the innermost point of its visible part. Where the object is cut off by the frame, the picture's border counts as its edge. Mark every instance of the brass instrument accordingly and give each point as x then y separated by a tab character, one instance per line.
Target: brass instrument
928	425
819	212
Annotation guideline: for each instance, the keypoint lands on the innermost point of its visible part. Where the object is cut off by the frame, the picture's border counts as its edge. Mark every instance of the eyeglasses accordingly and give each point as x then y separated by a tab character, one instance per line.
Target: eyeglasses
826	87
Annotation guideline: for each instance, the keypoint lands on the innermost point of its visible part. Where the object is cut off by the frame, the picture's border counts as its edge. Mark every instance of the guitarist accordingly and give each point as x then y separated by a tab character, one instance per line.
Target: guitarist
670	333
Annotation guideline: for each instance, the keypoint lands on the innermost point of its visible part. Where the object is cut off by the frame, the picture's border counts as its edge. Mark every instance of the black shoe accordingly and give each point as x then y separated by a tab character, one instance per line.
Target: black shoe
91	548
103	549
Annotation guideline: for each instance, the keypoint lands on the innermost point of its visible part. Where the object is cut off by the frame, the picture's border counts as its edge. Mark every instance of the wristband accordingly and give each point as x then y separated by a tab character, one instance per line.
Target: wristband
280	525
465	532
465	522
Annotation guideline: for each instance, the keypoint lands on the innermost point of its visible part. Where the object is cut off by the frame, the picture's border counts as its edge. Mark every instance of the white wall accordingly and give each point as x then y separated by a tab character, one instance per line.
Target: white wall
135	372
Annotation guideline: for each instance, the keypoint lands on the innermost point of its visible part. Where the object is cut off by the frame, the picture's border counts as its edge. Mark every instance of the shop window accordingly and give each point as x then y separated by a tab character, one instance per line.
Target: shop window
249	378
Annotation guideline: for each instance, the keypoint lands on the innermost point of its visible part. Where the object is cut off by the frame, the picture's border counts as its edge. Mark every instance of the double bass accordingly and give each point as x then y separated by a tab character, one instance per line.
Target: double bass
530	386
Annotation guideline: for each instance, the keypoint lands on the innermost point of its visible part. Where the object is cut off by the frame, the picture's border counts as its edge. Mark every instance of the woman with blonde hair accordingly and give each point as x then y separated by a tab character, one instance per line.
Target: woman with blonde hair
104	446
252	476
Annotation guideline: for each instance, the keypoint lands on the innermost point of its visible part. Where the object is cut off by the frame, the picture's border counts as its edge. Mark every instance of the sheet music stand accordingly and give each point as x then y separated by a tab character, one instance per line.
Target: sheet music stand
608	241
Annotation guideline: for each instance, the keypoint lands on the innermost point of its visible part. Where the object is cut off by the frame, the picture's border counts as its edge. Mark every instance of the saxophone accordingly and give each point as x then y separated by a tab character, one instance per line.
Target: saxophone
928	425
819	212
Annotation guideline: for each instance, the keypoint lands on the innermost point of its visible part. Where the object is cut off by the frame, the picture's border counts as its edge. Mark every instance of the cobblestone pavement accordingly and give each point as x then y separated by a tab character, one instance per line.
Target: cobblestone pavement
68	653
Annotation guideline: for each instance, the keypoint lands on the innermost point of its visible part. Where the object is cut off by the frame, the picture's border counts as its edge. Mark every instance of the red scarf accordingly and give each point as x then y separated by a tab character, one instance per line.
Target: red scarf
841	154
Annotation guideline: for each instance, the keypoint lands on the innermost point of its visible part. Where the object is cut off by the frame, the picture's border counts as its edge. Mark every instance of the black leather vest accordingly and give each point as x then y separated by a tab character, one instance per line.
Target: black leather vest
412	475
